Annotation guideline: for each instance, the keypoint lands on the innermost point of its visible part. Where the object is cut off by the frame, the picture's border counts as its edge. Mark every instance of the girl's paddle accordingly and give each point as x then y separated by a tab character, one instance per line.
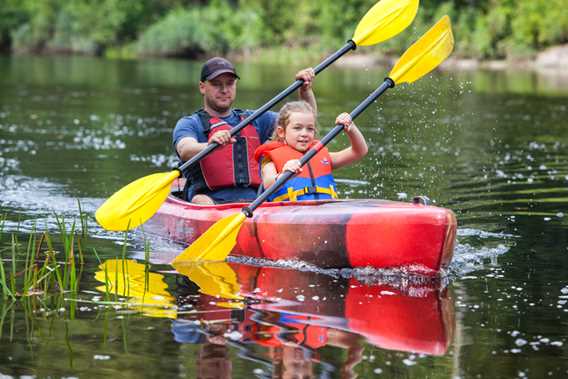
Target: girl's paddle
135	203
421	58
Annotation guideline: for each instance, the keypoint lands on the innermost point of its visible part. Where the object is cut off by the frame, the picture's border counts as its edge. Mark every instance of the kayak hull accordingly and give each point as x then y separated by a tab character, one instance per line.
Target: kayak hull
328	234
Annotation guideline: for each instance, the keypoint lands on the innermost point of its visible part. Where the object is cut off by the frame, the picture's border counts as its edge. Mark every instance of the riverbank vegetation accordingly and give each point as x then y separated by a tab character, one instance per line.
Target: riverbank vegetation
44	271
484	29
36	267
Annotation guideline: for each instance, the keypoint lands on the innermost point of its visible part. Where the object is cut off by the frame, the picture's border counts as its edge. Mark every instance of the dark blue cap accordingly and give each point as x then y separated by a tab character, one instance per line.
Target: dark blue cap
215	67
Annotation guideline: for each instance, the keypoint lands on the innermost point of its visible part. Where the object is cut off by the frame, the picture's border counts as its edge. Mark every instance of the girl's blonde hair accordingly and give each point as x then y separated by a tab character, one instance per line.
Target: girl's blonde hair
284	115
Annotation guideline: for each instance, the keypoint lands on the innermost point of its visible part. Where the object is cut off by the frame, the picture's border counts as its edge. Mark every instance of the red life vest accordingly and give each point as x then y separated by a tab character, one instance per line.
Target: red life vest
314	183
232	165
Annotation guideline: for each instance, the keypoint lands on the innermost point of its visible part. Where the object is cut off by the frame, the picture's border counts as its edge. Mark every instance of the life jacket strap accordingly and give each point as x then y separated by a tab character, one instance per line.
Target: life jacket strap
293	195
220	123
206	119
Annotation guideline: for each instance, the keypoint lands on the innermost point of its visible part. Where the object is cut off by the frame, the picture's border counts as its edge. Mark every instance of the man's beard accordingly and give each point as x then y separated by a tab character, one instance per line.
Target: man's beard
219	109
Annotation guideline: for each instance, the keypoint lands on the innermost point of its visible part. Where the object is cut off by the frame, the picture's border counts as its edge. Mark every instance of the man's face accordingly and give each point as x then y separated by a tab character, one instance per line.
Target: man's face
219	93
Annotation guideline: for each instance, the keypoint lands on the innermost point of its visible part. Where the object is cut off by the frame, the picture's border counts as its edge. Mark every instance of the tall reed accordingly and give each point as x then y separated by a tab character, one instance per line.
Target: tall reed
83	220
14	247
44	268
4	282
30	266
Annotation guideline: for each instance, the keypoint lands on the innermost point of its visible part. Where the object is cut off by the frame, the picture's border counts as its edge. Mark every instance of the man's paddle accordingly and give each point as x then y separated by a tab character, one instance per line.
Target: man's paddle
421	58
135	203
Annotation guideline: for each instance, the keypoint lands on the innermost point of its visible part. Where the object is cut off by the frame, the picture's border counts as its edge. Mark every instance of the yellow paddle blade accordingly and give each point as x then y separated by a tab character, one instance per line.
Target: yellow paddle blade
384	20
147	291
215	279
425	54
216	243
135	203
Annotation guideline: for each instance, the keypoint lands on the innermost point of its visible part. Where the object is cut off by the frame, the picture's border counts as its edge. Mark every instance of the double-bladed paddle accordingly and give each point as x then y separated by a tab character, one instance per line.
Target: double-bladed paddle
135	203
420	58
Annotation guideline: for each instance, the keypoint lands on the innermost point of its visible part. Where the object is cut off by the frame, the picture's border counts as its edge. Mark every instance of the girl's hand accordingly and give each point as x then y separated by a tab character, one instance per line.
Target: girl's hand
345	120
307	75
292	165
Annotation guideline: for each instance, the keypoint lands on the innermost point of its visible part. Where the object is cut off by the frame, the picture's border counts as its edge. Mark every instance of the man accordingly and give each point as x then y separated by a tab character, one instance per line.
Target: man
229	173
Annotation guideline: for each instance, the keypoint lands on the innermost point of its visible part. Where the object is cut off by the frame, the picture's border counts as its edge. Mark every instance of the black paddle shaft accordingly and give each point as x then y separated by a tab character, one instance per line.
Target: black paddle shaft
388	83
349	45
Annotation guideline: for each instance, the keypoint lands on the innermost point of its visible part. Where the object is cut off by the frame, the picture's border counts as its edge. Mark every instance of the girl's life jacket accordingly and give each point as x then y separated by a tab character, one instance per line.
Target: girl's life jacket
315	182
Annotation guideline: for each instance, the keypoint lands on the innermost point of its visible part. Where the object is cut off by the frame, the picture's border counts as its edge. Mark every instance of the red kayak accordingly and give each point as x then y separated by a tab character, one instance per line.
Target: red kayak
325	233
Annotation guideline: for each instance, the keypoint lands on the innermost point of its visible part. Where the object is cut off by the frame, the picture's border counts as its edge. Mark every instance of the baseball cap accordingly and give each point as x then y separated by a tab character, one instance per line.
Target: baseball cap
215	67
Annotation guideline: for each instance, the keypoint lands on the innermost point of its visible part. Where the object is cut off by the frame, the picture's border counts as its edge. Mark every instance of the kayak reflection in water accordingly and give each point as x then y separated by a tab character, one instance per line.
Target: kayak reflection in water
290	342
281	319
294	314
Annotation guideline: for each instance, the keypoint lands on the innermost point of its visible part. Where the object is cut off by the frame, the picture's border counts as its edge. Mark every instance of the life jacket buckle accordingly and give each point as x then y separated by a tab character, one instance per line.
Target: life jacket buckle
310	190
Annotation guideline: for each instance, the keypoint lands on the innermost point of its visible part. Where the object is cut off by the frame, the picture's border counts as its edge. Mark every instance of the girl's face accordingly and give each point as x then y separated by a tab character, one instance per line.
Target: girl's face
300	131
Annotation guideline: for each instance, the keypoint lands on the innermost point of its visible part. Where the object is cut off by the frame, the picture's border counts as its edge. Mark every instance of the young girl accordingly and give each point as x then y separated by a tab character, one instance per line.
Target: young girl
294	134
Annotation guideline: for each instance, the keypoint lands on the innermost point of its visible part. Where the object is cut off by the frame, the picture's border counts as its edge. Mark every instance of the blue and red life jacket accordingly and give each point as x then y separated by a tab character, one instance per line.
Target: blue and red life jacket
315	182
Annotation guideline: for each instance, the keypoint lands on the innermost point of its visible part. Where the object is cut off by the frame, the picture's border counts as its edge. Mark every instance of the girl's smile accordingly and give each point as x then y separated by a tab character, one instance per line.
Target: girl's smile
300	131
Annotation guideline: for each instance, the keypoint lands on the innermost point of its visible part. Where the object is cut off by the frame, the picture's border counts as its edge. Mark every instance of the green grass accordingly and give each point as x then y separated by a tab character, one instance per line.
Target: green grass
37	268
41	271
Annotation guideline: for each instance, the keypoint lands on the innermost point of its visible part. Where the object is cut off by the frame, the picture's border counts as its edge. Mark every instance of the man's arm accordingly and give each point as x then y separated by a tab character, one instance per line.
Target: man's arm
186	143
187	147
305	92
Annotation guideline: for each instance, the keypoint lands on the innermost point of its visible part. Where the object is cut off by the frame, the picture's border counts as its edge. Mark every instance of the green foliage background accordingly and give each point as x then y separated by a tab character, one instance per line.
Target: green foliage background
191	28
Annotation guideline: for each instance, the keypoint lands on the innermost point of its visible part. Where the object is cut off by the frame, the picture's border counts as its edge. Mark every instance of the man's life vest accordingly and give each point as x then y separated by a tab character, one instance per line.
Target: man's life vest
315	182
232	165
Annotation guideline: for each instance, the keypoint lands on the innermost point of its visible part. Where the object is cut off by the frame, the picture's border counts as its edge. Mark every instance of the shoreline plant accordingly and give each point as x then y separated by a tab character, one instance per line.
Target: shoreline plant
487	29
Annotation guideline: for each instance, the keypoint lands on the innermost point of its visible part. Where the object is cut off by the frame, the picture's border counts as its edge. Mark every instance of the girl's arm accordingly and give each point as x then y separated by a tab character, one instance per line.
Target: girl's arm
270	175
358	148
306	92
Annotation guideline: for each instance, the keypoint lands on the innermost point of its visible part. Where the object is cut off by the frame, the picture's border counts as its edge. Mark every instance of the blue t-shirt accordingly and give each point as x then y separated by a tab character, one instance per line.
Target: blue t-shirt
190	126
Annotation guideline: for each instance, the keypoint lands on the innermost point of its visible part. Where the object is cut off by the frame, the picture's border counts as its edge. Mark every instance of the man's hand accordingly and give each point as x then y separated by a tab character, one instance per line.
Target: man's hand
222	137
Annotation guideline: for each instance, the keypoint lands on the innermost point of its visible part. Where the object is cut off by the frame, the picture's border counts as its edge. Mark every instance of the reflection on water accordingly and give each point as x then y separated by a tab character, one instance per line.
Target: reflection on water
144	290
284	318
491	146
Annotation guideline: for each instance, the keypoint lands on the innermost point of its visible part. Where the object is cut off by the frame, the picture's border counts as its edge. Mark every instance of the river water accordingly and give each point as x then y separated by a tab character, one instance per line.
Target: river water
491	146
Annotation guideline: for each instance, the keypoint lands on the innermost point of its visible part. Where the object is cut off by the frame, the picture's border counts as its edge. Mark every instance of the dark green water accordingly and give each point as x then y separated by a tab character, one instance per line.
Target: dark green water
490	146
